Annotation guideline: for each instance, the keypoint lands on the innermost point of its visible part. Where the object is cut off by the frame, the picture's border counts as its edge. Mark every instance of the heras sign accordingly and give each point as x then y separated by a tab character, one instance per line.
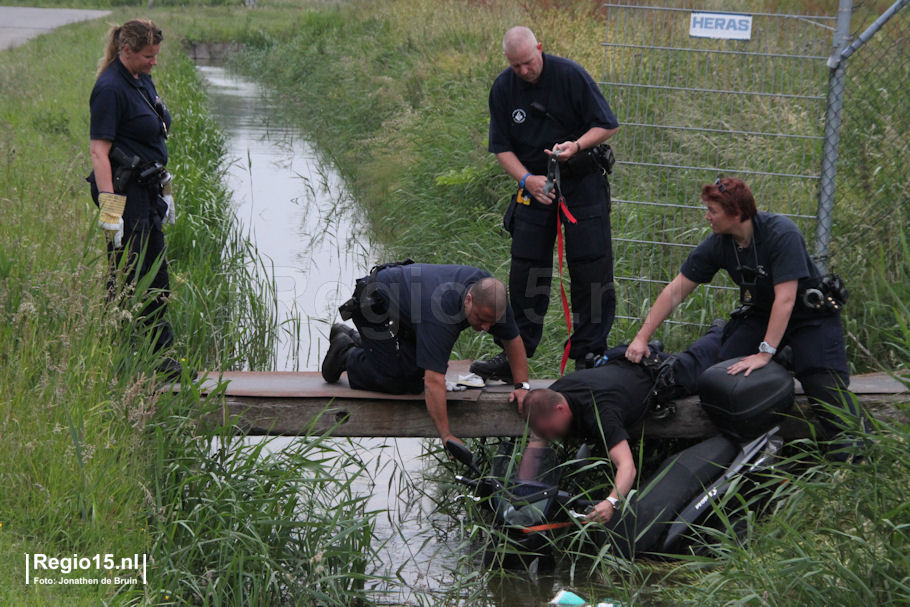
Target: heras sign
728	26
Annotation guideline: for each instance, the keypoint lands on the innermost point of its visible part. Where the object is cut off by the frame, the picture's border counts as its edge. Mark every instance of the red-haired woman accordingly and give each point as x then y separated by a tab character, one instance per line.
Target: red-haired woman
765	254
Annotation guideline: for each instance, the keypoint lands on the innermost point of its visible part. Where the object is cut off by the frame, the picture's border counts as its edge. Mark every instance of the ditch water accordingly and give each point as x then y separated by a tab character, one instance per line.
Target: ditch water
306	226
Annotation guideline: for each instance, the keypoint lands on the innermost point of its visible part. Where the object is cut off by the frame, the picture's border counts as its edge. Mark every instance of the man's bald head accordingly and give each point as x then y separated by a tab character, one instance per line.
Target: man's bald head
485	304
524	53
517	39
490	294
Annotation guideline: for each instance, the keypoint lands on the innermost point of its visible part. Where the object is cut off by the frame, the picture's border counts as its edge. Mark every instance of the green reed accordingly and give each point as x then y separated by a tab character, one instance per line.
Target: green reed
96	458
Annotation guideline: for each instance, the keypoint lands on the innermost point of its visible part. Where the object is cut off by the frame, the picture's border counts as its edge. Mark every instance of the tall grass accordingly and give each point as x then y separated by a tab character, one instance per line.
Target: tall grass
94	458
240	522
396	92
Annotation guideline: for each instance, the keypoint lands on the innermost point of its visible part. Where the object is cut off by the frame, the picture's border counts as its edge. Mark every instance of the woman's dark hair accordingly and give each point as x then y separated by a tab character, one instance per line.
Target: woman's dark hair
135	34
732	195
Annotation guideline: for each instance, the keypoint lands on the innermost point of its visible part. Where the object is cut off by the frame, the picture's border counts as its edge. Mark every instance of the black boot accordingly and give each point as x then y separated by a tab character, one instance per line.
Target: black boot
343	329
495	368
847	449
172	370
335	362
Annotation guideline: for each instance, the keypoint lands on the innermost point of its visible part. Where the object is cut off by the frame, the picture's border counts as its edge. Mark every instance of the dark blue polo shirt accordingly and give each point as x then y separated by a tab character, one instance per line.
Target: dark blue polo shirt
605	401
567	92
430	299
777	249
122	111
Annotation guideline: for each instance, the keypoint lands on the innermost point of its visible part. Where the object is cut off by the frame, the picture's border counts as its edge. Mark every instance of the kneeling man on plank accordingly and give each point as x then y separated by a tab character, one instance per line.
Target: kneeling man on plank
408	317
601	405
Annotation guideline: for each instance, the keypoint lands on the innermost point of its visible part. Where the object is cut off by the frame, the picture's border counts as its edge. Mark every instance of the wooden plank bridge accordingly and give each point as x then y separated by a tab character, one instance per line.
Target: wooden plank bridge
290	404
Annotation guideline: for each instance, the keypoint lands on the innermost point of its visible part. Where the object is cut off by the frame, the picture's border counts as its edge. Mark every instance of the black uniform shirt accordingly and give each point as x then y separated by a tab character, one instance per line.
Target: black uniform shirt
430	299
776	254
569	95
122	112
605	401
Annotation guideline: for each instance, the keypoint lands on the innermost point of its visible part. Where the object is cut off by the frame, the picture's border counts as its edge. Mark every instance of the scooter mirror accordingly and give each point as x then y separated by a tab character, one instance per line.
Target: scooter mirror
583	453
462	454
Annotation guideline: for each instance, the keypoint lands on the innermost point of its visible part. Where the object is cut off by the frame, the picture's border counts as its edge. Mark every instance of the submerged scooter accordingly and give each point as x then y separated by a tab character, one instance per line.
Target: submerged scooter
671	513
526	513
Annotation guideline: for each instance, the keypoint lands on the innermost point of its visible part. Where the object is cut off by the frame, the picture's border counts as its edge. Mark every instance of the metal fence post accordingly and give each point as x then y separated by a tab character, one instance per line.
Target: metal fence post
833	114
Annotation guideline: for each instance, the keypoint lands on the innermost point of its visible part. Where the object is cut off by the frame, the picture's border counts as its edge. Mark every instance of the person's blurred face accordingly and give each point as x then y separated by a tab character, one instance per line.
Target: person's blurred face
556	425
720	221
480	319
527	62
142	61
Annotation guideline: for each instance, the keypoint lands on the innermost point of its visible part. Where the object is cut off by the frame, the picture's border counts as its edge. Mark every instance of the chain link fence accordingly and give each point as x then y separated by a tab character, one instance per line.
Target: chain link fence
869	244
696	108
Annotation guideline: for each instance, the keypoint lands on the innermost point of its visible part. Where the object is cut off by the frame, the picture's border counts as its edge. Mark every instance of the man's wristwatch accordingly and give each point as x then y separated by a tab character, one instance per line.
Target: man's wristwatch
766	348
614	501
522	385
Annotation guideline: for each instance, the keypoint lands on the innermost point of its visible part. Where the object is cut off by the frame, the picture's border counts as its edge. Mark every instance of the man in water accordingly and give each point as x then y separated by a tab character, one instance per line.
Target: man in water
601	405
408	317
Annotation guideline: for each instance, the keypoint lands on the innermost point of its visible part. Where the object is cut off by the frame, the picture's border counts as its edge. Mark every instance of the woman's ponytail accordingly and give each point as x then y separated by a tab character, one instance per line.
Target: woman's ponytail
135	34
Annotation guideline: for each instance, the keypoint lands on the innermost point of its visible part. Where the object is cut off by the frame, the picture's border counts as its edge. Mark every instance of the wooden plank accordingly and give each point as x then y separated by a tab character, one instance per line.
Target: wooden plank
490	415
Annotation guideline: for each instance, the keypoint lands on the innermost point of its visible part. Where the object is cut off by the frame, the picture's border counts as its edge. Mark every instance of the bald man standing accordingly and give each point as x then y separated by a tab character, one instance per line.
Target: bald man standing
540	105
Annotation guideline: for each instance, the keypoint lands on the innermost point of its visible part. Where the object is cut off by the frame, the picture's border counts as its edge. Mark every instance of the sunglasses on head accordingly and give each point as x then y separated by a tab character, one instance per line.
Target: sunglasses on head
721	187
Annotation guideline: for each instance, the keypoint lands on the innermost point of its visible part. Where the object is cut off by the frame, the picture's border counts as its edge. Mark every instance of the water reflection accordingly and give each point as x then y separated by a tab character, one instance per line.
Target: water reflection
298	213
304	223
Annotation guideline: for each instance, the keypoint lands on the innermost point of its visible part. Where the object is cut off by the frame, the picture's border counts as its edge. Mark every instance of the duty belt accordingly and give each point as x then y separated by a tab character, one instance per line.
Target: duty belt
369	302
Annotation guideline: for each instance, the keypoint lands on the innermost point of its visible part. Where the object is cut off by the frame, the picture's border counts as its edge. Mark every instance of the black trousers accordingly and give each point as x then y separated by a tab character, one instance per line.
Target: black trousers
589	255
141	256
383	362
819	363
694	360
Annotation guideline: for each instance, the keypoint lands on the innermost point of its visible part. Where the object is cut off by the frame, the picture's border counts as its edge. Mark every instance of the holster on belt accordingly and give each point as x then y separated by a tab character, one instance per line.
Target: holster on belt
369	303
598	159
123	168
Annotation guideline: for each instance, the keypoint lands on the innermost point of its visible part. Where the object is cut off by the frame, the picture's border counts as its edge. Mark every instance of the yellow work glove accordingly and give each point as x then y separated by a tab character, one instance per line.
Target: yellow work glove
111	218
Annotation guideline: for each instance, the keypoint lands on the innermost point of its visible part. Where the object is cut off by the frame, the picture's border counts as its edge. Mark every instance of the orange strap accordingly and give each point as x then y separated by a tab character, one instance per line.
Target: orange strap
563	208
545	527
551	526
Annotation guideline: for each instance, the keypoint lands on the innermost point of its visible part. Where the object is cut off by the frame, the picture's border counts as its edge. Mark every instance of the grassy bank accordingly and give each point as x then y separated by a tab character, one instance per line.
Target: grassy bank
396	94
94	459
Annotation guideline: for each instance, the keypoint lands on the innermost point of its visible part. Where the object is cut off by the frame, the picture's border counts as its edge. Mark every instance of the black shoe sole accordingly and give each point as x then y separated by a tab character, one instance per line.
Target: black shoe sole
492	376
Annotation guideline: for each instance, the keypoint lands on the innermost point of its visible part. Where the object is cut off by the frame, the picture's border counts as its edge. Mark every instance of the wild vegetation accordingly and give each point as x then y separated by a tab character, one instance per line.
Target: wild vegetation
394	92
397	96
95	459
